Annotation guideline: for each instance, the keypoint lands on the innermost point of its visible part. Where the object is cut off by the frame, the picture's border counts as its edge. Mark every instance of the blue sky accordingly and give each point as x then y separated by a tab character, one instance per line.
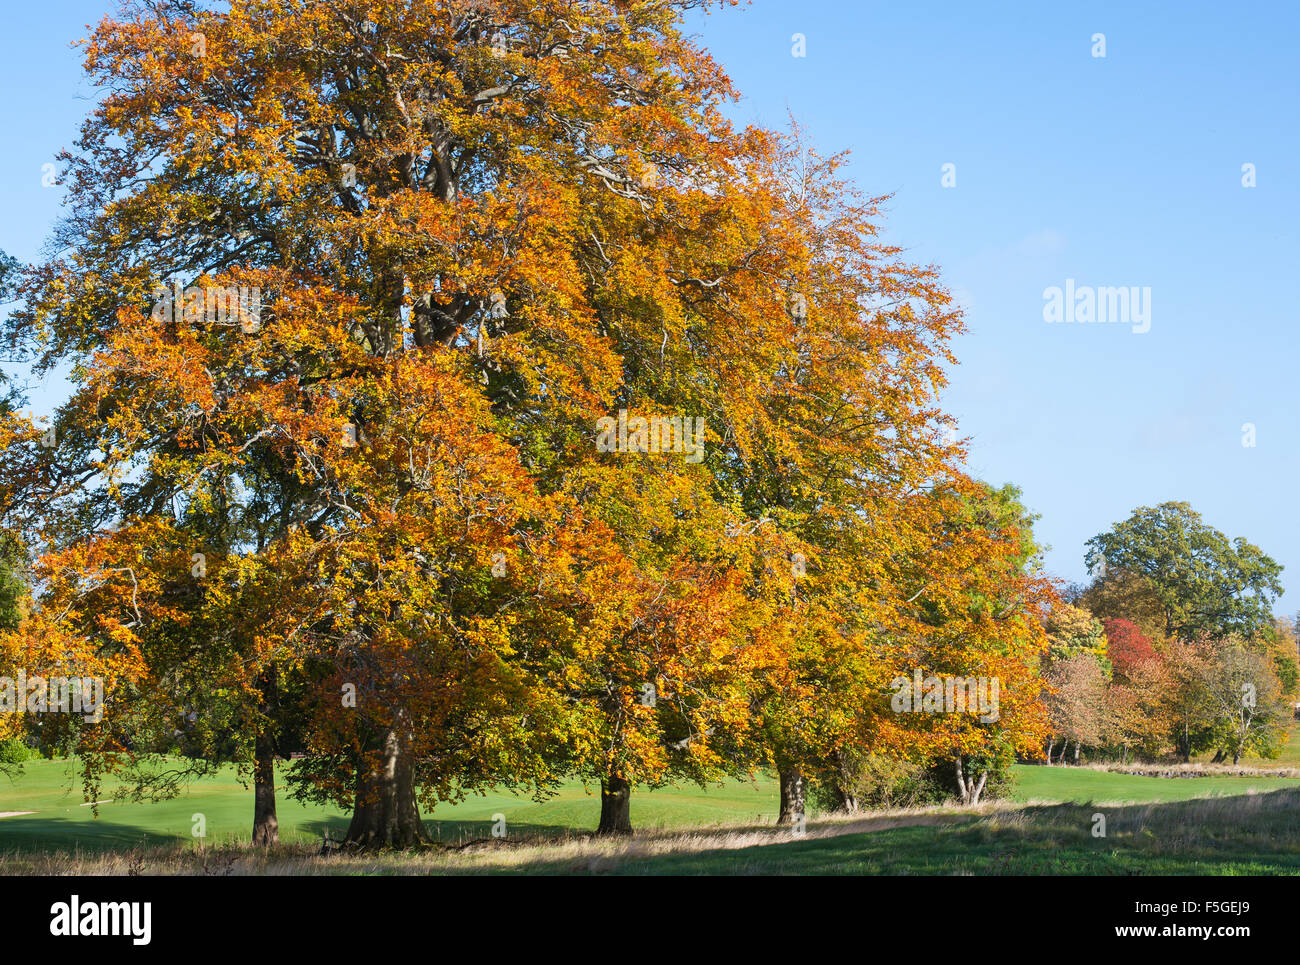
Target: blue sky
1122	170
1117	171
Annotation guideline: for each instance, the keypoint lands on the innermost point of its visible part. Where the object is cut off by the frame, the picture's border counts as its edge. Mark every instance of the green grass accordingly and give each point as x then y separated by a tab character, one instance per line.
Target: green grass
1080	785
52	790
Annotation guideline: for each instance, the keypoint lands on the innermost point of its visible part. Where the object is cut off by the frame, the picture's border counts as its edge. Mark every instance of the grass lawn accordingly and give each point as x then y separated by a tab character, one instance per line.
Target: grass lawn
52	790
1080	785
61	822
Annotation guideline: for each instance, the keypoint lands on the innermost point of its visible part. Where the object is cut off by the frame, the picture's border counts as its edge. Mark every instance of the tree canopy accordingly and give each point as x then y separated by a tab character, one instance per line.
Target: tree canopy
349	289
1204	582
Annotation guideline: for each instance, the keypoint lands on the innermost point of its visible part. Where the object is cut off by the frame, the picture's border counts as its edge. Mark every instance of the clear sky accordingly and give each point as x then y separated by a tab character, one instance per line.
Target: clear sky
1123	170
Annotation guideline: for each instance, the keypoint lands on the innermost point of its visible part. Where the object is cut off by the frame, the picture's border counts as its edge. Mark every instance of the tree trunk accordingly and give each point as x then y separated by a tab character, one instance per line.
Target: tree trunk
1236	756
266	829
792	796
848	800
385	814
615	806
969	789
1051	743
1076	752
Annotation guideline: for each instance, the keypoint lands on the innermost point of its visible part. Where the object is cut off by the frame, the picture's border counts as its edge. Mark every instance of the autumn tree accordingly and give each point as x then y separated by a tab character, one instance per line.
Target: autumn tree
1076	703
1120	595
348	289
981	615
1131	720
15	589
12	553
829	476
1075	637
291	231
1186	711
13	561
1072	630
1245	709
1279	642
1126	645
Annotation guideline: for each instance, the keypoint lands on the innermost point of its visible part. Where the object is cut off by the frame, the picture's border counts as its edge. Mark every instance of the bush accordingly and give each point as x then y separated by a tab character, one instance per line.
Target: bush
943	774
15	751
874	782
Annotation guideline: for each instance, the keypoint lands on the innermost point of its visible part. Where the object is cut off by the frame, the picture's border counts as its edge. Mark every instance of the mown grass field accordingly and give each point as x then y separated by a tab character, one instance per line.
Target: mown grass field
51	790
1201	825
1080	785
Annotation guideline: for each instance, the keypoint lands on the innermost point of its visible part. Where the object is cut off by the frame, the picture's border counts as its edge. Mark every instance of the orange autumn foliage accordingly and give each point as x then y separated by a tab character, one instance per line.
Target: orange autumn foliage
456	237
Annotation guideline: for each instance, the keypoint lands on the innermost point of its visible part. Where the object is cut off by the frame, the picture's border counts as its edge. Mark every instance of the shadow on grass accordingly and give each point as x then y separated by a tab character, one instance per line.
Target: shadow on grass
1256	834
44	832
